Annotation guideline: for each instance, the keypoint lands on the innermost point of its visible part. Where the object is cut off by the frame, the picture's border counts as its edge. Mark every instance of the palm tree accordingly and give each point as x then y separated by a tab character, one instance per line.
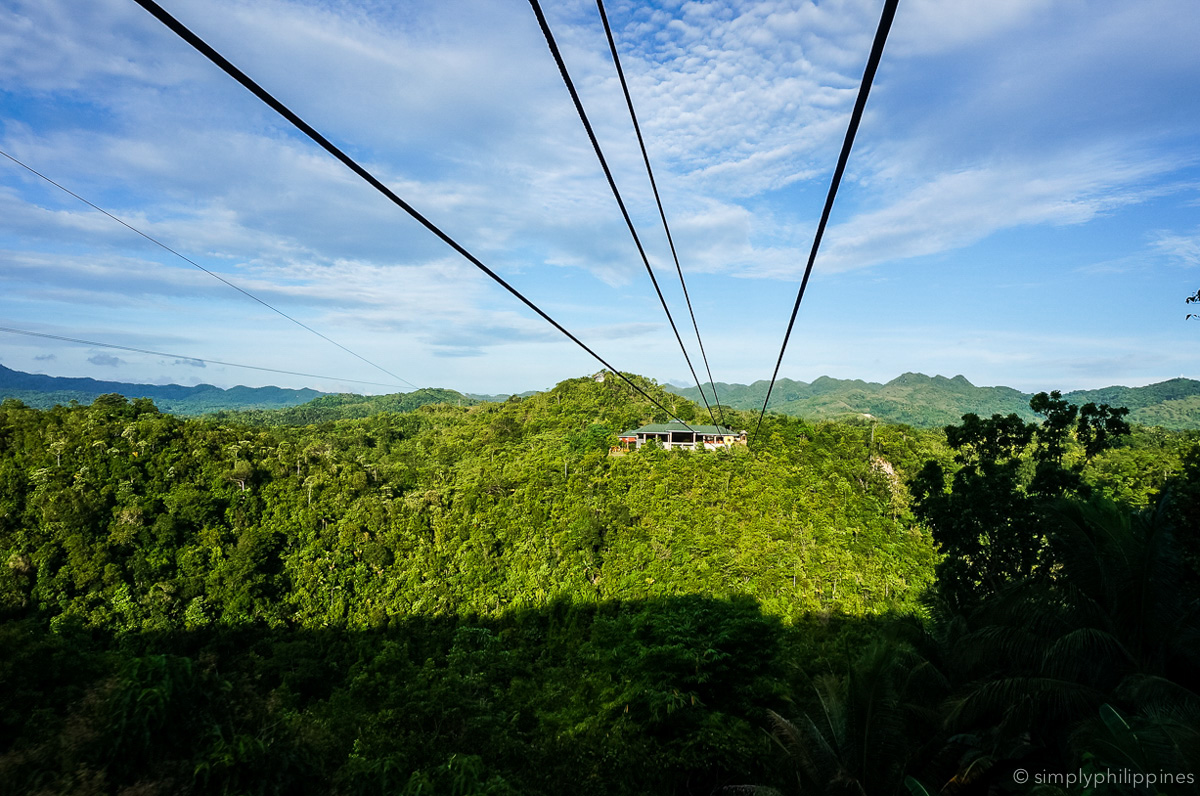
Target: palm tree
870	724
1111	624
1161	741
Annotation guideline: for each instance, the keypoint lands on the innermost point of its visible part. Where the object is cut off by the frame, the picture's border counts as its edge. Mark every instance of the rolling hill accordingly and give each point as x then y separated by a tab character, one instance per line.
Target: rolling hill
347	406
928	401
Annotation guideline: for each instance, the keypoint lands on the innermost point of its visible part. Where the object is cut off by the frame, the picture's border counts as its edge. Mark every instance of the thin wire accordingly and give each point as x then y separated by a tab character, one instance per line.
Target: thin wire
183	356
179	29
562	69
612	46
885	24
213	274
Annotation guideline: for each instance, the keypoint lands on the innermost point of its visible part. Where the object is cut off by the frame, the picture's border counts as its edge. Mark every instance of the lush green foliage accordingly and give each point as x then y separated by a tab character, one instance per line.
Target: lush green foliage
478	592
1091	671
510	504
483	600
1065	635
611	697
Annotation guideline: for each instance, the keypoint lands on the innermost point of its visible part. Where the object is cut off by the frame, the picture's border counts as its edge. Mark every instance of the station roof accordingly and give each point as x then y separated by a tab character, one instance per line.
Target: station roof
663	428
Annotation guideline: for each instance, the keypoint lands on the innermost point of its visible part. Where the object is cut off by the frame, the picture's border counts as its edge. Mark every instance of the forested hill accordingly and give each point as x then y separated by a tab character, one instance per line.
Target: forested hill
474	592
347	406
480	478
931	401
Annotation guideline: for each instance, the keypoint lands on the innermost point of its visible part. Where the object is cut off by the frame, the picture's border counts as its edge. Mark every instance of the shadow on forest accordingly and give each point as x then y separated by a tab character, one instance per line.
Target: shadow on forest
666	695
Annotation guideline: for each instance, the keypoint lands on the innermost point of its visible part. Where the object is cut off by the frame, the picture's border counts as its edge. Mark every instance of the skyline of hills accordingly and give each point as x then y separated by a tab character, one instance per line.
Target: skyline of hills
927	401
40	392
912	398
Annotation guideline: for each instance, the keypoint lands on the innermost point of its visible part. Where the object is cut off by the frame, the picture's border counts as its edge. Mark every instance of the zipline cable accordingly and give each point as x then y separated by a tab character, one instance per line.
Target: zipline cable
885	24
184	356
179	29
612	46
562	69
213	274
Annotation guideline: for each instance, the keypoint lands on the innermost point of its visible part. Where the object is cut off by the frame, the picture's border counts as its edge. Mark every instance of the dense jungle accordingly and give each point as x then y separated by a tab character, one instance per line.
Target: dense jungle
487	600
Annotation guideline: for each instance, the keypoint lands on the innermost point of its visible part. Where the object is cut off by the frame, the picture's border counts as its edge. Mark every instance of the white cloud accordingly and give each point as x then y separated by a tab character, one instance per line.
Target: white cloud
1182	249
955	209
935	26
752	99
56	46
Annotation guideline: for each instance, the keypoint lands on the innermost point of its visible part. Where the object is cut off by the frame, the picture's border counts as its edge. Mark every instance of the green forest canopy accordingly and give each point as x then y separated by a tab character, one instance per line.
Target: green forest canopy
479	599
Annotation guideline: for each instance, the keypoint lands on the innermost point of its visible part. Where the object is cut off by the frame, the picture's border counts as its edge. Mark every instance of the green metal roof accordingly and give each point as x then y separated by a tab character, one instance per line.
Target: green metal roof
662	428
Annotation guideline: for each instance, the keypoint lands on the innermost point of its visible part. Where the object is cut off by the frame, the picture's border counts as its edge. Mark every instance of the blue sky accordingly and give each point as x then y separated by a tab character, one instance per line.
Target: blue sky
1022	205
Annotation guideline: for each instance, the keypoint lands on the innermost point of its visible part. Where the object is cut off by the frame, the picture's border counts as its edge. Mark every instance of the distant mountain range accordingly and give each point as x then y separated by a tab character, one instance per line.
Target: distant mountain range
287	406
920	400
46	391
913	398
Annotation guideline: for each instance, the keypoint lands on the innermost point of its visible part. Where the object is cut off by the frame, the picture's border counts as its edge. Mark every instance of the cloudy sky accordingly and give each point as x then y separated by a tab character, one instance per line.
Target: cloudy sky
1022	205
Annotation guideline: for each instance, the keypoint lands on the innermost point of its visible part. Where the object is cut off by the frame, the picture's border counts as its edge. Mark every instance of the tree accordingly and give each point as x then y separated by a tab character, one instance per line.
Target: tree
868	725
983	522
1193	300
1094	427
993	522
1183	510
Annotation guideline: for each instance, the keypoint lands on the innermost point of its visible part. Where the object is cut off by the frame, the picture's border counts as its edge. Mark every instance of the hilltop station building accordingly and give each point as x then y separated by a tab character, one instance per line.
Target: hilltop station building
677	435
